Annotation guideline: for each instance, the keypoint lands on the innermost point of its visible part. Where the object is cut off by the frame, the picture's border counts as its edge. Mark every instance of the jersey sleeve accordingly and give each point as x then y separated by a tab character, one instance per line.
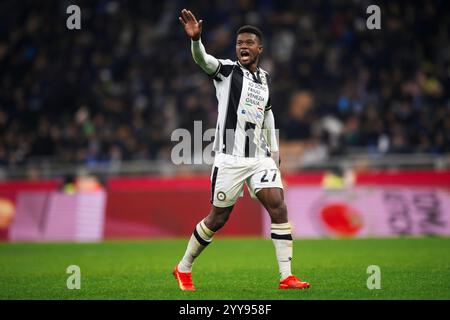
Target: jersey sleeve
269	101
269	105
207	62
224	69
270	131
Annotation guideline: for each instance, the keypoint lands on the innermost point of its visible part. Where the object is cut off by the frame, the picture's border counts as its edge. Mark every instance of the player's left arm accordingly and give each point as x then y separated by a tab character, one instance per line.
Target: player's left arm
271	134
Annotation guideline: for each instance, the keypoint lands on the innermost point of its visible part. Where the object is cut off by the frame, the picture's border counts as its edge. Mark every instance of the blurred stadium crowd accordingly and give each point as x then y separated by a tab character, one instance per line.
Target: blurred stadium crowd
116	89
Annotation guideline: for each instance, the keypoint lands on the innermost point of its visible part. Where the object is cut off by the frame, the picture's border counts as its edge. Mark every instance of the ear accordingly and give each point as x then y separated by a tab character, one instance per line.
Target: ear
260	49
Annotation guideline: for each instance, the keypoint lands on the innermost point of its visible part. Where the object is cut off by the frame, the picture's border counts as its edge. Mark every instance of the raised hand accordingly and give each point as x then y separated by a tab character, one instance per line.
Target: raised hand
192	27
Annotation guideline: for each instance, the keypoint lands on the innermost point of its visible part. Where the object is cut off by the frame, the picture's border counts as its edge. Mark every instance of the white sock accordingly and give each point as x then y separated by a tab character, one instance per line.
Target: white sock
201	237
282	240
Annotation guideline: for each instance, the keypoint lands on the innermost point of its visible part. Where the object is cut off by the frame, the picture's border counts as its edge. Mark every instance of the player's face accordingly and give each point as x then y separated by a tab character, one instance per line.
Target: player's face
248	49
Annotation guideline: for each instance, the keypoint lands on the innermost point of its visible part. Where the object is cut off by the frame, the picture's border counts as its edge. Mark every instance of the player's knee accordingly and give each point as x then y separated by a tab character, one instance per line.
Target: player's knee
278	211
276	204
222	219
218	218
218	222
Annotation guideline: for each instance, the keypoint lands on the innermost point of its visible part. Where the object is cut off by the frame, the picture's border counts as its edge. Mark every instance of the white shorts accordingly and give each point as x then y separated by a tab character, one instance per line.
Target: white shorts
229	173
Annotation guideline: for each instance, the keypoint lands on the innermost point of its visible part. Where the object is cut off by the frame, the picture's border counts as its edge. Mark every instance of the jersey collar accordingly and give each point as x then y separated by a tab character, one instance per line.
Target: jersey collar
240	65
256	76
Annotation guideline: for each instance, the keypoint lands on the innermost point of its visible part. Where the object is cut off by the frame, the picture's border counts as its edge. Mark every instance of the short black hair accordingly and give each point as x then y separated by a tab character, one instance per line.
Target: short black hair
250	29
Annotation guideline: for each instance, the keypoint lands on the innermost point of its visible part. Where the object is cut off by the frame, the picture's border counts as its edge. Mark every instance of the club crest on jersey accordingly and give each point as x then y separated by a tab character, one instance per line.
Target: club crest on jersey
221	196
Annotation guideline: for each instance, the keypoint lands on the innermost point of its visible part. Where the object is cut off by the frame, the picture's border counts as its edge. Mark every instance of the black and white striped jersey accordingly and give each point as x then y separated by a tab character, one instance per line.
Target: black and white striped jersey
243	99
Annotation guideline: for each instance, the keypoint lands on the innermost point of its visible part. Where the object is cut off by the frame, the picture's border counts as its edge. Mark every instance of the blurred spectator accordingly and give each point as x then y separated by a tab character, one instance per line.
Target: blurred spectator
72	184
68	186
116	89
297	126
296	134
338	179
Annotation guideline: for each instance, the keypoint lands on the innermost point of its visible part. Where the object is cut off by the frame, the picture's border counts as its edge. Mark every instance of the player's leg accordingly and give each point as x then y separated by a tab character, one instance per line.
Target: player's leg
225	189
280	229
266	185
227	183
200	239
217	217
203	235
273	200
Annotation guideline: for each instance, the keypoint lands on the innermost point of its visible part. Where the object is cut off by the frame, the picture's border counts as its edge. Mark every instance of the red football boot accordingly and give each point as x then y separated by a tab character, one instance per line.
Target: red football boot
292	282
184	279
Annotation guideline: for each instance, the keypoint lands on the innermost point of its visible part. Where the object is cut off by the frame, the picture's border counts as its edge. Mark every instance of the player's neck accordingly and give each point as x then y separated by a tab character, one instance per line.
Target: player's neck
252	68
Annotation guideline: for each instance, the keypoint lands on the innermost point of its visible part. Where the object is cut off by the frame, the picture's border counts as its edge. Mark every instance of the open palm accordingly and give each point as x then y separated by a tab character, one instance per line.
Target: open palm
192	27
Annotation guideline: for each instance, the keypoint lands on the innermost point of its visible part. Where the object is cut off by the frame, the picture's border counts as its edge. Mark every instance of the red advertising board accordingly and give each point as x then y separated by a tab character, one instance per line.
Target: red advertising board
157	207
143	207
8	195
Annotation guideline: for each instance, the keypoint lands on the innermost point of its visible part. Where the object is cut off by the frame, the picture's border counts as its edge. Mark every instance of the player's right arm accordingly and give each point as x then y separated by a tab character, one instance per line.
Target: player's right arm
193	29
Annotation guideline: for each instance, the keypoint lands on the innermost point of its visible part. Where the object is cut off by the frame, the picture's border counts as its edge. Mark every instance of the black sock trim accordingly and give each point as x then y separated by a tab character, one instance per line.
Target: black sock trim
281	236
202	241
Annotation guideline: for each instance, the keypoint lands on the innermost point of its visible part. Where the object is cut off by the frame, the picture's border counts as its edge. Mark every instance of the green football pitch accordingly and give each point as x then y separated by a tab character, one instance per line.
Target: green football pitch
230	268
